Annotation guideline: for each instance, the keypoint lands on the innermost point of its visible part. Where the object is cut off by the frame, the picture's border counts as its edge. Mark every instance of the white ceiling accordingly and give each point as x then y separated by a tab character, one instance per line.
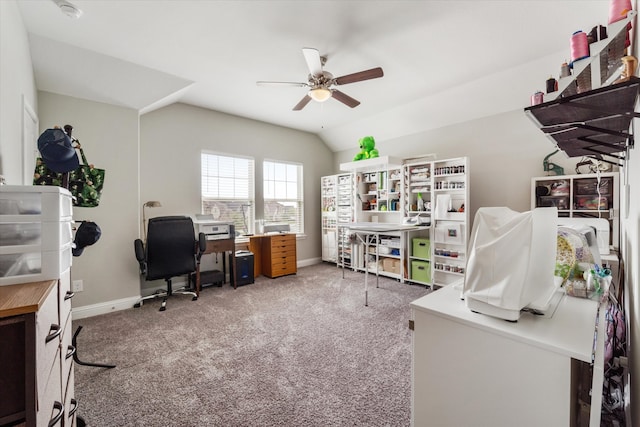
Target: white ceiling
444	61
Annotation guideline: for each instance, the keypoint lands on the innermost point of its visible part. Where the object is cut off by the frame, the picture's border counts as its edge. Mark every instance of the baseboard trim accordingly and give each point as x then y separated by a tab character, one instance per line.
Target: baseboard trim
103	308
125	303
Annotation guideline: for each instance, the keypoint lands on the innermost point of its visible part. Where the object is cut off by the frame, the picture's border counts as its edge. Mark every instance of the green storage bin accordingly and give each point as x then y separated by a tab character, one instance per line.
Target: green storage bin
421	247
421	271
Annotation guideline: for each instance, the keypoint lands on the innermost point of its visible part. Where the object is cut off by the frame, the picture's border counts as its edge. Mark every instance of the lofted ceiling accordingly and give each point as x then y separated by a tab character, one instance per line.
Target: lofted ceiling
444	62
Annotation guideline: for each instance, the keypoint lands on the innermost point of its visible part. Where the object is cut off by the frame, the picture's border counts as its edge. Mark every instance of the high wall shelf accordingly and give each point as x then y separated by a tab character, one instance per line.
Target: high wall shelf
604	64
591	112
594	123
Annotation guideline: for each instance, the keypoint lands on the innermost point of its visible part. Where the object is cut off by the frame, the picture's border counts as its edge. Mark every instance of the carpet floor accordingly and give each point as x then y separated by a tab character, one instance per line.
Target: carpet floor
300	350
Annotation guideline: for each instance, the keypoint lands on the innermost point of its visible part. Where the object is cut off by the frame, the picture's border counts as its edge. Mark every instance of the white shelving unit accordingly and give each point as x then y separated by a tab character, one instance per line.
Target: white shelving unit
346	215
581	196
337	207
450	225
434	194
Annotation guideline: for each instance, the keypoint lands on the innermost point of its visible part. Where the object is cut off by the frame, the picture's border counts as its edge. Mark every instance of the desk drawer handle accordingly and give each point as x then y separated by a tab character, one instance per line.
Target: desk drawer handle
60	407
69	295
73	410
54	332
71	350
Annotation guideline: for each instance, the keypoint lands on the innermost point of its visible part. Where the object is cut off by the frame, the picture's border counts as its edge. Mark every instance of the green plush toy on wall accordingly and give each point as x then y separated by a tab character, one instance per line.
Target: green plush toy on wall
367	149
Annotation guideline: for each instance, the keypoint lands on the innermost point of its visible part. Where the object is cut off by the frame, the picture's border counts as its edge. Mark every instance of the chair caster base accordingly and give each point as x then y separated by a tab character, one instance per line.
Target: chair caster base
137	305
194	299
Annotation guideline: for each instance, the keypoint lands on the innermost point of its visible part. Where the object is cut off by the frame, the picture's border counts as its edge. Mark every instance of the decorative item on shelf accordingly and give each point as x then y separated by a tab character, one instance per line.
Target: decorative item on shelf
630	65
552	168
565	71
597	33
537	98
552	84
367	149
579	47
618	10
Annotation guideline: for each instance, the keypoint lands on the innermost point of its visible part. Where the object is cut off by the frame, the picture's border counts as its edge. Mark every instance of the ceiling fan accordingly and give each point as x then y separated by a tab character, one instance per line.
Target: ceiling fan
320	82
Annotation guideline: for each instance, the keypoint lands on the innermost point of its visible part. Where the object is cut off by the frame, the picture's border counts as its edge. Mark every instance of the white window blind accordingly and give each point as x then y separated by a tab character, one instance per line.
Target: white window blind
228	189
283	195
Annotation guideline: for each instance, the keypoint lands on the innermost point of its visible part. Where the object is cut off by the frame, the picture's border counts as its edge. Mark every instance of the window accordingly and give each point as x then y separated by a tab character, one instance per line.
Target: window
228	190
283	198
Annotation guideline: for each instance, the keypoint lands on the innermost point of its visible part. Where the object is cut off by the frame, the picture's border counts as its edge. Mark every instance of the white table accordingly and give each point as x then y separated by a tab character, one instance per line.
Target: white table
470	369
366	232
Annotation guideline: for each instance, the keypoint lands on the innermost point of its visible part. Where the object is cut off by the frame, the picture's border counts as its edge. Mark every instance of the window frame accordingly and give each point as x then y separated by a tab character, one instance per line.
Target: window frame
299	200
245	216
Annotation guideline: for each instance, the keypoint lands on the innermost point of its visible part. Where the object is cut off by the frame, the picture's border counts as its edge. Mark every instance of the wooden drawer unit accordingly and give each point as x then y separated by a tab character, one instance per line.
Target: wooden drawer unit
35	353
279	255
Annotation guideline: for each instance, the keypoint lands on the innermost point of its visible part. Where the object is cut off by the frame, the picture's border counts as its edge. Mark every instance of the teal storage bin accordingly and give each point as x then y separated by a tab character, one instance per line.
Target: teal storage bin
421	271
421	247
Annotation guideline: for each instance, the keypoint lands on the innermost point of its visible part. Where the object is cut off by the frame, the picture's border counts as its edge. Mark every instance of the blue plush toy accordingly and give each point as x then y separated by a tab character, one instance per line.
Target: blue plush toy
367	149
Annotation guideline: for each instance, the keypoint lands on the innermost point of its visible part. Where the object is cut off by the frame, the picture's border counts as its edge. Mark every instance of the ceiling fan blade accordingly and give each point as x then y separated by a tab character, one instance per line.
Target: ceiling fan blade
314	63
267	83
373	73
303	102
344	98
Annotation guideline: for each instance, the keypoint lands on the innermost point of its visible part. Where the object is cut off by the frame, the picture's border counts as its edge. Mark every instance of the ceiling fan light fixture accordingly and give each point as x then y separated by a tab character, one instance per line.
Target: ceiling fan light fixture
320	94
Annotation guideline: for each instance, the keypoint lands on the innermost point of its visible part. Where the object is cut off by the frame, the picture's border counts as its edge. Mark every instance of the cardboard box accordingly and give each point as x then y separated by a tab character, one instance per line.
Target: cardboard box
391	265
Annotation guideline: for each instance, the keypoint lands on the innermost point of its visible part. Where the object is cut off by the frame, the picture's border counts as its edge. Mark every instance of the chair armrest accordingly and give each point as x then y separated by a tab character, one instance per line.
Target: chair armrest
202	245
138	247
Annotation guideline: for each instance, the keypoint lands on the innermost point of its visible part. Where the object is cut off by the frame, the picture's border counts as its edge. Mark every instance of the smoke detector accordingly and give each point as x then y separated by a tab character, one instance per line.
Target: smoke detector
68	8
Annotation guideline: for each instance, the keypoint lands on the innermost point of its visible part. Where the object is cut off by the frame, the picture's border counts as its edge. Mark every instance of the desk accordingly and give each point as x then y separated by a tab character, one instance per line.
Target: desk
367	232
274	255
469	369
220	246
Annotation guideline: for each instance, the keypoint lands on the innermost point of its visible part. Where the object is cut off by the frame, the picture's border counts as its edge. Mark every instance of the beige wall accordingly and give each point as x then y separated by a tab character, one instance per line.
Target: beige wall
505	151
109	137
172	138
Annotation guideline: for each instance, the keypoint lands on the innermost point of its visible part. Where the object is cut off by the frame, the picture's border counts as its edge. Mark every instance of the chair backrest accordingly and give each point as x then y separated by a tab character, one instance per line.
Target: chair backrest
170	248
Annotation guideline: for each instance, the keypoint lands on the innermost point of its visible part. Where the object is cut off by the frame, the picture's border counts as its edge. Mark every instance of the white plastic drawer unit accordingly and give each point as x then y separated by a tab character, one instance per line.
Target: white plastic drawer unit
36	202
47	236
35	233
33	265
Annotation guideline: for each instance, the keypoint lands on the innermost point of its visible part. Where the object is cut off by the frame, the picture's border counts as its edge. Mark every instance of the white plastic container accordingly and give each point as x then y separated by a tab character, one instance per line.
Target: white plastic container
35	203
33	266
47	236
35	233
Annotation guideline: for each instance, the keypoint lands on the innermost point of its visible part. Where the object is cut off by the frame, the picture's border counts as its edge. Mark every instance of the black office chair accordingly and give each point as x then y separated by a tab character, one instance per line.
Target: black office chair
171	250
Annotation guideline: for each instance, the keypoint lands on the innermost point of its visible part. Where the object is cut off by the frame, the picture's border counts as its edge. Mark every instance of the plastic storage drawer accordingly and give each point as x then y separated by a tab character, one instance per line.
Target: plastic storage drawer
35	202
47	236
33	265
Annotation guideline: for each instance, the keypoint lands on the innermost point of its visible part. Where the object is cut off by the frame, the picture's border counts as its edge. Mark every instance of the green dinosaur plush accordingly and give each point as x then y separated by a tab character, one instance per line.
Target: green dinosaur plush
367	149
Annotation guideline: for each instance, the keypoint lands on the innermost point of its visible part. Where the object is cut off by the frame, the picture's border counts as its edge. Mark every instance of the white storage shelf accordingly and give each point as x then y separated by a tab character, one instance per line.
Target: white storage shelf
582	196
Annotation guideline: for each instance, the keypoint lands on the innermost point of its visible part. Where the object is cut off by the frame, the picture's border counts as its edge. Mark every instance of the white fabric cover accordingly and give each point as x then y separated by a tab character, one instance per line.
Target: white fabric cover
511	257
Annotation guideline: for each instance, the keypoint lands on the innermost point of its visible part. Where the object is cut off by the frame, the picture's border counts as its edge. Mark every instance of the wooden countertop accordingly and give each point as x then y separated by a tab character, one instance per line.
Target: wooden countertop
24	298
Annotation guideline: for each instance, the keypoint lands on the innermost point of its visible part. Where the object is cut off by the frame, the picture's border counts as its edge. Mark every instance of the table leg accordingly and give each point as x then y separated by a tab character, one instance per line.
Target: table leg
234	269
